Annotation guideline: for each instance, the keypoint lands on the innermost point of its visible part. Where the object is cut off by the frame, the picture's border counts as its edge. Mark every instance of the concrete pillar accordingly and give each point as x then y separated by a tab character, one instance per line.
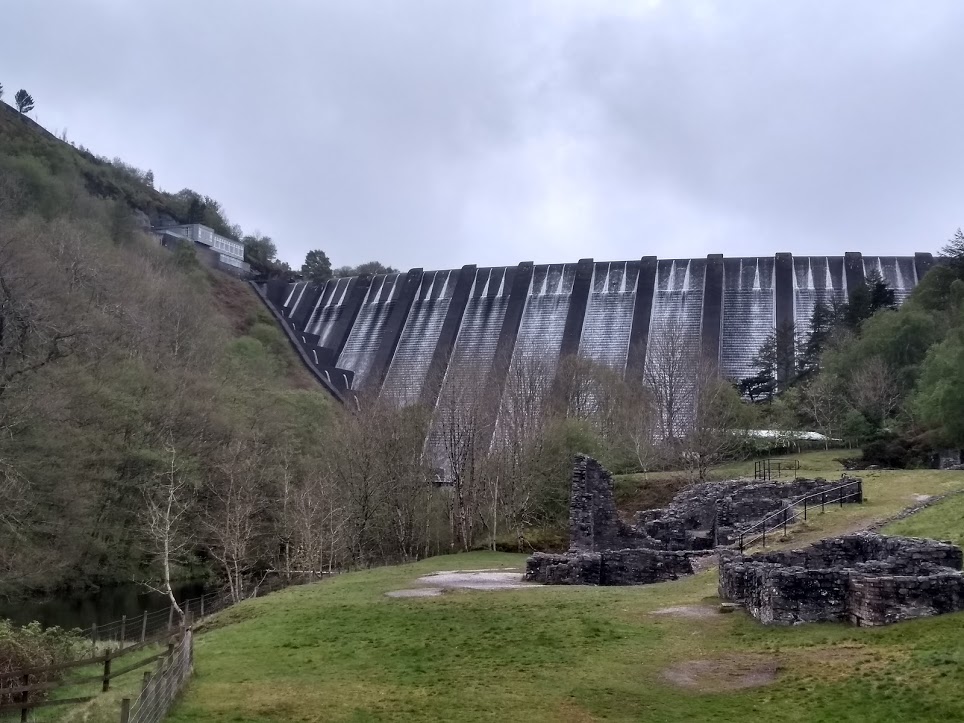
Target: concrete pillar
712	322
642	313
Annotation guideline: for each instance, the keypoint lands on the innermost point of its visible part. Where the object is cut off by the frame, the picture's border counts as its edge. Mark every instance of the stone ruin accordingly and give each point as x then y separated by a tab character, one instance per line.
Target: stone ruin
865	579
661	545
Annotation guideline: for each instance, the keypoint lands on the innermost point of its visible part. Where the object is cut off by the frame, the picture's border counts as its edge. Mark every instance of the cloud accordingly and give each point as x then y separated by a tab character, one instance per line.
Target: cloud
431	133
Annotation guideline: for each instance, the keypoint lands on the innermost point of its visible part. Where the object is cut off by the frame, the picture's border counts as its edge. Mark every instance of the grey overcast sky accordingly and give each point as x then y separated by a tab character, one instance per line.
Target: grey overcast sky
437	133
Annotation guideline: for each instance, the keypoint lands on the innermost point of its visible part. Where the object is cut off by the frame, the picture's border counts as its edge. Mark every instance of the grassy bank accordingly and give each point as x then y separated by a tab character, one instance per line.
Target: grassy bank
342	650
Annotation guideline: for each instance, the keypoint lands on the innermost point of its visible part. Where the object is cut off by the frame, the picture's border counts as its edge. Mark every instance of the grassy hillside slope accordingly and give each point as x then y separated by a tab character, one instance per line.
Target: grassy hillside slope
342	650
59	176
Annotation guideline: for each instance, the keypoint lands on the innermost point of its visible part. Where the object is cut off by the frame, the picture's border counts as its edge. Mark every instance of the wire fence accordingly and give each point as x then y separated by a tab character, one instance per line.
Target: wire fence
162	687
23	690
155	624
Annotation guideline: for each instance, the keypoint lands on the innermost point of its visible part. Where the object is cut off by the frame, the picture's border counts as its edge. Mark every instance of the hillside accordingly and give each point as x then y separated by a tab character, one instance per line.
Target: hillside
58	175
342	650
124	367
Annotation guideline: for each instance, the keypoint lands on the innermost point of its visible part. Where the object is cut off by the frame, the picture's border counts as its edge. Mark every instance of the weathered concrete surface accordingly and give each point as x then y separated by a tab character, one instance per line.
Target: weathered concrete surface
475	580
866	579
418	592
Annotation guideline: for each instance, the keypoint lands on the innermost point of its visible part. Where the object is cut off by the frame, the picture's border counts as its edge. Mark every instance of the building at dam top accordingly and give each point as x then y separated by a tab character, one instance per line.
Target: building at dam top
404	335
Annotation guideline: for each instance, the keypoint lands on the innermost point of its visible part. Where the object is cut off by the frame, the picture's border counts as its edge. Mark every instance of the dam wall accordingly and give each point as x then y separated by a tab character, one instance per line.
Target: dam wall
418	335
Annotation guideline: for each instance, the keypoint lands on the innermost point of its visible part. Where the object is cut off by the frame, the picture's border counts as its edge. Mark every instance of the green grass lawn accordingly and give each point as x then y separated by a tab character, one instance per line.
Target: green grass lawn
944	520
343	651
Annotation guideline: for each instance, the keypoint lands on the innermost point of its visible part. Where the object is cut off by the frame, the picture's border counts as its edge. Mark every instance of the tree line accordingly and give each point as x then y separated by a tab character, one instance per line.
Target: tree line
872	375
262	254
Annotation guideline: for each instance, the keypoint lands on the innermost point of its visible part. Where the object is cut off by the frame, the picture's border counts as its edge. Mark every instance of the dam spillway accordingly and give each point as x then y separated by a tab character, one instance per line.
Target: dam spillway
413	336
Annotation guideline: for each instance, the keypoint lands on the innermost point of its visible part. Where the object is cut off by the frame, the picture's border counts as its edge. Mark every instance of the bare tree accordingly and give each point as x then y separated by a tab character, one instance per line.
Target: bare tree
459	445
168	504
670	363
874	389
717	422
512	477
823	401
233	514
639	422
316	526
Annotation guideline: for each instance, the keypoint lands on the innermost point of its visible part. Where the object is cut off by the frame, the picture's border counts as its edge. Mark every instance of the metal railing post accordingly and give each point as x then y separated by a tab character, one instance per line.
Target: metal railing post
123	630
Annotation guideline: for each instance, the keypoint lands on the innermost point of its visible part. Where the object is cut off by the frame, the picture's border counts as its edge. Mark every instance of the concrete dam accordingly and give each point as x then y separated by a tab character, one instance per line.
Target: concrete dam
404	335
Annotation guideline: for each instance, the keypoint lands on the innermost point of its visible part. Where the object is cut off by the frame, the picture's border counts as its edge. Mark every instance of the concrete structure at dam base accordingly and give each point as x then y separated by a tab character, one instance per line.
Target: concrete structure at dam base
408	336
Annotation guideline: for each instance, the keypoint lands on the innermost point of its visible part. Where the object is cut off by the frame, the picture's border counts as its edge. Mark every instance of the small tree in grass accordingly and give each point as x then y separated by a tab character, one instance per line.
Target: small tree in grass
24	101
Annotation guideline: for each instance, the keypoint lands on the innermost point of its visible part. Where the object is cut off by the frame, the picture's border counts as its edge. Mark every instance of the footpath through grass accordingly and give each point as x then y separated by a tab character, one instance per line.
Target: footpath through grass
343	651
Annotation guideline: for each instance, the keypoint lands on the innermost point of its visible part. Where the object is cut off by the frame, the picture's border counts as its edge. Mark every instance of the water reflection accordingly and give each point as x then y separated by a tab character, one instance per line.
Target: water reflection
81	609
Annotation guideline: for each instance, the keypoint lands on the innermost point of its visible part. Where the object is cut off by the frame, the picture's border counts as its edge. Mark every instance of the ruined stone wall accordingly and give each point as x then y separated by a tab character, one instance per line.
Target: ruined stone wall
866	579
604	550
609	567
881	600
714	513
594	523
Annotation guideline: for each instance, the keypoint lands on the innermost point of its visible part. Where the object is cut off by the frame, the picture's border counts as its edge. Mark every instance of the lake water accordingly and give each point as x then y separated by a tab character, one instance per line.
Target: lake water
81	609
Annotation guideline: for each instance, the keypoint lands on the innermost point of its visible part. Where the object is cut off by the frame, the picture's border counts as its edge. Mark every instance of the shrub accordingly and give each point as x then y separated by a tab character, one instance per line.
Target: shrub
896	452
31	646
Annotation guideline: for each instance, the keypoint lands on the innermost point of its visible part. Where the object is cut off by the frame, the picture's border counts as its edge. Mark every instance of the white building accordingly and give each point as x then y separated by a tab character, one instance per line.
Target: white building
229	251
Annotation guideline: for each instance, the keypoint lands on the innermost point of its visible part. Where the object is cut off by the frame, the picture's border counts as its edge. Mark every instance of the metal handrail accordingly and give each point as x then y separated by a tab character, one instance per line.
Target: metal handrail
787	513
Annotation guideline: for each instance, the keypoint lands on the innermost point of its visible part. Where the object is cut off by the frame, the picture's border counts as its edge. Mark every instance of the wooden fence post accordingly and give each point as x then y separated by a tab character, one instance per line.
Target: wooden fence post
106	686
147	679
123	633
25	698
144	626
202	606
125	710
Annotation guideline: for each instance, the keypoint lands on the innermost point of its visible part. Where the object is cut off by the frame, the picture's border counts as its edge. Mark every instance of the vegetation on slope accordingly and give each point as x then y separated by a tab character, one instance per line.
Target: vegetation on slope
123	366
890	380
341	650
